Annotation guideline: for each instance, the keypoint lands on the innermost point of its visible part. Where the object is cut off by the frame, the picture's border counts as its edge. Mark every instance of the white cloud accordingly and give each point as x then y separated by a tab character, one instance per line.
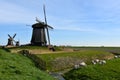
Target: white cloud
13	13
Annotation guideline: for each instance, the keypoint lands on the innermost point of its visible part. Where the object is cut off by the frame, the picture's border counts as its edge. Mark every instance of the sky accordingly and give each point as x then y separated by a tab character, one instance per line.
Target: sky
75	22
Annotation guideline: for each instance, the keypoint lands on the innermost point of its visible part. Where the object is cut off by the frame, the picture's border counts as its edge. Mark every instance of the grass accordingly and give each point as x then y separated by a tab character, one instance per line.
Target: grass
108	49
18	67
59	61
109	71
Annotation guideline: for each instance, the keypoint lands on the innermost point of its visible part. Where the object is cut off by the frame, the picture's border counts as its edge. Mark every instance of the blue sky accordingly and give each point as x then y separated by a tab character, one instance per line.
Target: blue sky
75	22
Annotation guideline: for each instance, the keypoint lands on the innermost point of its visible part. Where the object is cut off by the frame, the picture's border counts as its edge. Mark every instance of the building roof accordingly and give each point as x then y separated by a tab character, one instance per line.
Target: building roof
38	25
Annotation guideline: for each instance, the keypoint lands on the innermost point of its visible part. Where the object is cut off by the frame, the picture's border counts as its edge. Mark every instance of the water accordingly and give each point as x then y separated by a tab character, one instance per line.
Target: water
57	76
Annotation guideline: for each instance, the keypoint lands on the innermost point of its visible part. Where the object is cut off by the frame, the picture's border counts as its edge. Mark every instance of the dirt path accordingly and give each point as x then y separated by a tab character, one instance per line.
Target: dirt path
43	51
46	52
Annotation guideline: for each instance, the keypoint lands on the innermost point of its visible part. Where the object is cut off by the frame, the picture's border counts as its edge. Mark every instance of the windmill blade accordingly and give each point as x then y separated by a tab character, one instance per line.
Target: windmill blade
44	14
46	18
14	41
38	20
28	25
50	27
46	24
14	35
9	36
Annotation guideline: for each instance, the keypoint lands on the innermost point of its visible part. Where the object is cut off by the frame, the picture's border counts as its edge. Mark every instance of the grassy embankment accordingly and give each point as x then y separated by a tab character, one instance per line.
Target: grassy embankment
108	71
62	60
19	67
59	60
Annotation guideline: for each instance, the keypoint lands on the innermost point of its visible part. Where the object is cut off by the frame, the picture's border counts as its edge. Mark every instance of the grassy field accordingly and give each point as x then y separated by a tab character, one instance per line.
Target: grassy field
108	71
66	58
63	60
18	67
108	49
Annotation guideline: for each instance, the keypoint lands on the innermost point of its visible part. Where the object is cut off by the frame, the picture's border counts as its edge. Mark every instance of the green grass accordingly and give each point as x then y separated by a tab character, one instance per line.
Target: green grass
79	54
18	67
59	61
109	49
109	71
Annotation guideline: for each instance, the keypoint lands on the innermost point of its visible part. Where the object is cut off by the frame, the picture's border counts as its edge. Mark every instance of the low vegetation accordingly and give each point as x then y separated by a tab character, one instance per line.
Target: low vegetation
19	67
63	60
108	71
102	48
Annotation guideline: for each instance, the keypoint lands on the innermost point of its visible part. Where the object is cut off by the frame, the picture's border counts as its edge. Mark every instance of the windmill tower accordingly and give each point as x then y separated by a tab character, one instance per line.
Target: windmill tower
39	32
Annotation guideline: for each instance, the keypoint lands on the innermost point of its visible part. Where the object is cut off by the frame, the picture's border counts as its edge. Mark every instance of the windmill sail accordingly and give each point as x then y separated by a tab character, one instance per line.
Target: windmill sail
14	35
46	24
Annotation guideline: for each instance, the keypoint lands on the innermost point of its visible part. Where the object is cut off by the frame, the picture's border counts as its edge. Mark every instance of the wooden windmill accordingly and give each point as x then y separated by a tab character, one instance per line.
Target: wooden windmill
11	40
39	32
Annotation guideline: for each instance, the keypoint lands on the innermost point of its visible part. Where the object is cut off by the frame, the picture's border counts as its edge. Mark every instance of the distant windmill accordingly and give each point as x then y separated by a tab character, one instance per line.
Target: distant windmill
11	41
39	32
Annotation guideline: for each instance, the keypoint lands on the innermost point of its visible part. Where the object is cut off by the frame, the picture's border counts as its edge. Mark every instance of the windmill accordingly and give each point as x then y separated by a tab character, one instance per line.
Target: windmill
11	40
40	29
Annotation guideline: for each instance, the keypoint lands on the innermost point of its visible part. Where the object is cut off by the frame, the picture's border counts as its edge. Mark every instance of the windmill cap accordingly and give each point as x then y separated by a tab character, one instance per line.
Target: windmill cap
38	25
